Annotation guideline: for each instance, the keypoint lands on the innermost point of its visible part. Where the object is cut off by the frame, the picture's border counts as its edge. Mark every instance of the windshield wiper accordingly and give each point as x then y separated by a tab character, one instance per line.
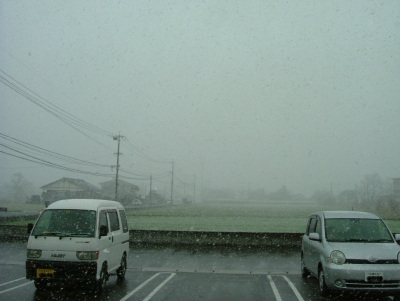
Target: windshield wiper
366	240
355	240
75	234
47	234
380	240
80	234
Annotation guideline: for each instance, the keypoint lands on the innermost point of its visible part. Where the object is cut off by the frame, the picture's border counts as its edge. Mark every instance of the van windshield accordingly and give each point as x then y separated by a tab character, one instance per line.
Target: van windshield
66	223
356	230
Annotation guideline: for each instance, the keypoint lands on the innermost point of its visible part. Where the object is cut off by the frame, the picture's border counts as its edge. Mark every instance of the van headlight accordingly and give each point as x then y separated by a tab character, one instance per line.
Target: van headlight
337	257
87	255
34	254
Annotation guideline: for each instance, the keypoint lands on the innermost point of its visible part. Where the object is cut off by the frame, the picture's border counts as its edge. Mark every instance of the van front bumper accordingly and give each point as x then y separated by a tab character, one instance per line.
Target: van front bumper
61	270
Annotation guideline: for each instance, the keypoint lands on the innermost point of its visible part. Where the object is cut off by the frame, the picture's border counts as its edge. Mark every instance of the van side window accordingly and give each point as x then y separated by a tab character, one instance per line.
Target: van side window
103	220
114	221
124	221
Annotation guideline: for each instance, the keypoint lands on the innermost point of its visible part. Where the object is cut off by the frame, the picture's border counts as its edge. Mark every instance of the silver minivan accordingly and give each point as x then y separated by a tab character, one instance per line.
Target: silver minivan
78	241
348	251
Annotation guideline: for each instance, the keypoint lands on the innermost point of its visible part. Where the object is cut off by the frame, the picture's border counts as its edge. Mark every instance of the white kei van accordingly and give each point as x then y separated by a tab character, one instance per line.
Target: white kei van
78	240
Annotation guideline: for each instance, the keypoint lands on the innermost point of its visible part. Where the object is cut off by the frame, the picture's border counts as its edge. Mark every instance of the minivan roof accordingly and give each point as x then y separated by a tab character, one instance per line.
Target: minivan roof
84	204
349	214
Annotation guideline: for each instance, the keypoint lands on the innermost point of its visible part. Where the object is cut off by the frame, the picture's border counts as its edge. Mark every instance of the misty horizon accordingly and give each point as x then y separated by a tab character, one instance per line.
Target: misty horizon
242	94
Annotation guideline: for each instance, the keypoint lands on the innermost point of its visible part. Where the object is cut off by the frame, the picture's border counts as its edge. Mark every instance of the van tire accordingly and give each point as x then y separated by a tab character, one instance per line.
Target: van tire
122	269
41	284
101	283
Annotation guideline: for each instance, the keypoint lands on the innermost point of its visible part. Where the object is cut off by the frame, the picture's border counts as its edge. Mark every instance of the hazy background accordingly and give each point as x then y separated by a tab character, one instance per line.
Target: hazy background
254	94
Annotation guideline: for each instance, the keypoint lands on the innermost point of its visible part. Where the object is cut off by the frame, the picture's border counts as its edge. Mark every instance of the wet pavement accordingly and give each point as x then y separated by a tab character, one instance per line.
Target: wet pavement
182	273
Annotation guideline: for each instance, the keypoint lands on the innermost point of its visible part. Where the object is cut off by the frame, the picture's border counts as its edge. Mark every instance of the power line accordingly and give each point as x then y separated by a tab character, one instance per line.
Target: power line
140	153
49	153
50	164
36	73
50	107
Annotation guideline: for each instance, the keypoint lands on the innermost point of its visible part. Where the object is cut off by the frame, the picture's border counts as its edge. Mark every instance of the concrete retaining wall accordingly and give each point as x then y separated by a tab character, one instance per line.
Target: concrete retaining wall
144	237
215	238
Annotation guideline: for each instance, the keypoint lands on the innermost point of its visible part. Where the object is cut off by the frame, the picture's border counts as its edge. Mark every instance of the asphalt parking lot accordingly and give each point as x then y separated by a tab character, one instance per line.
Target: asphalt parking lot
180	273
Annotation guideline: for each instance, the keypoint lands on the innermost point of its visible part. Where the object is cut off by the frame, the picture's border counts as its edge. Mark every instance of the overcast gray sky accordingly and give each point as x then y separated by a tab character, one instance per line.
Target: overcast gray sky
254	94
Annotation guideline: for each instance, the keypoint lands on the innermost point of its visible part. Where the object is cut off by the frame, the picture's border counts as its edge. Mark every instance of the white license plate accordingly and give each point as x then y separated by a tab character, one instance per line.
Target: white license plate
373	276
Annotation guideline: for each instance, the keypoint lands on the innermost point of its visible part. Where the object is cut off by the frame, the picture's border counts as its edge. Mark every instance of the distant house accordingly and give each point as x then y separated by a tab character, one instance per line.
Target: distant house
68	188
396	186
126	191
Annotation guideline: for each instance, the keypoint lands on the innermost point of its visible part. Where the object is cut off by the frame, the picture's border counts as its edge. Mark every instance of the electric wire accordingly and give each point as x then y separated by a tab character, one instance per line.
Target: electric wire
50	164
50	107
49	153
140	153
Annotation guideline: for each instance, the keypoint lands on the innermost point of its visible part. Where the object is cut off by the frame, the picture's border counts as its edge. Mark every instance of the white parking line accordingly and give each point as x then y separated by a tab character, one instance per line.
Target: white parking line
139	287
13	288
12	281
144	283
296	292
158	287
274	289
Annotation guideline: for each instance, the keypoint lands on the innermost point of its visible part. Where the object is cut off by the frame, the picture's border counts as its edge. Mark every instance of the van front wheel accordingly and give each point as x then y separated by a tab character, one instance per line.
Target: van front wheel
103	277
40	284
122	268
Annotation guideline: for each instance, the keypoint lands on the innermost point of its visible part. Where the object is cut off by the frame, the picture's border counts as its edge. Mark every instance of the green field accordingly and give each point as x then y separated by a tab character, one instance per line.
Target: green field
233	217
280	217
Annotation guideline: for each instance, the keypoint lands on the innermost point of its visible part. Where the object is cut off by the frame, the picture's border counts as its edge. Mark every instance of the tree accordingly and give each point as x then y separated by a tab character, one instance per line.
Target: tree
19	189
257	195
348	196
282	194
371	186
325	197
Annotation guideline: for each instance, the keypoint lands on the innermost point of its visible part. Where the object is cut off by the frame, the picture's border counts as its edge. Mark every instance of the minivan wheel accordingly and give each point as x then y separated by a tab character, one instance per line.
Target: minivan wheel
304	272
122	268
103	278
323	289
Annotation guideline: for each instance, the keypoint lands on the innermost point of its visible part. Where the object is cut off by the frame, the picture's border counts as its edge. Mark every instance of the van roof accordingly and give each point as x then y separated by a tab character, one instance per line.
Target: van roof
85	204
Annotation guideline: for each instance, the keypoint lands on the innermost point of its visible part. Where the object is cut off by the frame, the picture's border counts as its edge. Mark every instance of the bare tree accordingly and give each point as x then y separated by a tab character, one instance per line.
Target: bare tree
371	186
19	188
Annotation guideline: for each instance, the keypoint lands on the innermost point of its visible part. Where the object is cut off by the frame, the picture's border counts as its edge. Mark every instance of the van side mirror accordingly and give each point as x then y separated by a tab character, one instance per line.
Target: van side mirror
314	236
29	228
103	230
397	237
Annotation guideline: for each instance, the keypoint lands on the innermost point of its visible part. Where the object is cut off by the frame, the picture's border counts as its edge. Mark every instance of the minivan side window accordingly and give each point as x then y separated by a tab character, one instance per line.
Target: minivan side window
311	229
114	221
103	220
318	227
124	221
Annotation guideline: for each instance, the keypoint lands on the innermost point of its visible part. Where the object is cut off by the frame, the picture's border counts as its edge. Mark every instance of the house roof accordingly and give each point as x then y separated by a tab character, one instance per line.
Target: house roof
78	182
112	182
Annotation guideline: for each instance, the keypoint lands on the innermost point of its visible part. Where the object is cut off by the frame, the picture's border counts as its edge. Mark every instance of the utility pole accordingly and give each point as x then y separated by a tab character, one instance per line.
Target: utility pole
184	188
151	181
117	137
172	181
194	189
